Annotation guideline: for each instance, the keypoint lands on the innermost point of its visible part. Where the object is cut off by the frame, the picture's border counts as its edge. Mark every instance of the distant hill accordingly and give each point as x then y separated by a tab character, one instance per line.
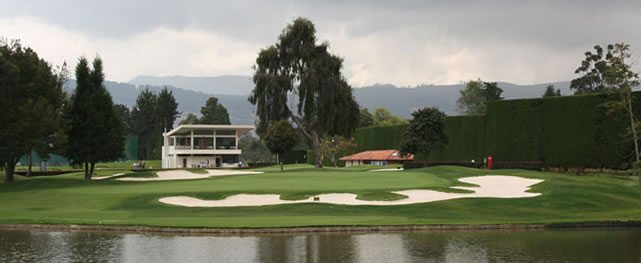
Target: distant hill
228	85
400	100
189	101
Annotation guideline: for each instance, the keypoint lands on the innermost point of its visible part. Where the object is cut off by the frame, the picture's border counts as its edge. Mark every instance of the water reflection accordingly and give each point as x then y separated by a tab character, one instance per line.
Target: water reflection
619	245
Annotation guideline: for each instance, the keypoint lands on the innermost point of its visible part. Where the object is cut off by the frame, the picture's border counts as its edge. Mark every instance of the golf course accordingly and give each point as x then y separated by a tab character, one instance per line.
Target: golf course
68	199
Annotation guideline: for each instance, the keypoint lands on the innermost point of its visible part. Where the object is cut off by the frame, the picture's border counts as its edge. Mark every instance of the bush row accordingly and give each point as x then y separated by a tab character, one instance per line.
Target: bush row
572	131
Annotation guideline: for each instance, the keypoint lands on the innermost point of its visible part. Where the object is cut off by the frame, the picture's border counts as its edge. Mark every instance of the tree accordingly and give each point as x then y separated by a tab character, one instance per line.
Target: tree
383	117
551	92
147	125
298	79
253	150
425	132
491	91
214	113
475	95
594	68
32	99
280	137
190	119
167	109
472	99
365	119
335	146
125	116
96	132
615	76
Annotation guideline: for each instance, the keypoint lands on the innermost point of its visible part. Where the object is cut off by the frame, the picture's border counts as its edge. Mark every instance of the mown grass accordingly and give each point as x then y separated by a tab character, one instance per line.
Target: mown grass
69	199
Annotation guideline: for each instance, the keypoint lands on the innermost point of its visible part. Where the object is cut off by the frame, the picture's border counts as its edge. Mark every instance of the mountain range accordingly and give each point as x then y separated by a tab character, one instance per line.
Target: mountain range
232	91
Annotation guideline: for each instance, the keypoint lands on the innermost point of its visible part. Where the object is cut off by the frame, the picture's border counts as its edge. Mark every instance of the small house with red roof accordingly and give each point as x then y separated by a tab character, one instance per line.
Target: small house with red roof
377	157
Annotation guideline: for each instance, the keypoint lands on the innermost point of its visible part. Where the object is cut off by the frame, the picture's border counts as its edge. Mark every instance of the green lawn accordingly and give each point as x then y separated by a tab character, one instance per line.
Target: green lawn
69	199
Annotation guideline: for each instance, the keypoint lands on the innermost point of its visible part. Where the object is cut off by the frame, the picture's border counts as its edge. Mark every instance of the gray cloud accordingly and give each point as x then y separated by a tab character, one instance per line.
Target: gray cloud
410	41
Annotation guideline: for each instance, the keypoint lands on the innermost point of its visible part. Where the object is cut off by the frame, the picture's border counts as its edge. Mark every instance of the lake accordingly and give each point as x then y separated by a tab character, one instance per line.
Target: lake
585	245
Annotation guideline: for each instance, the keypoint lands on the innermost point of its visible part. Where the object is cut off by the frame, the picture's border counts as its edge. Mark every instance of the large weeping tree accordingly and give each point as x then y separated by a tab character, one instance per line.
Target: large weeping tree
298	79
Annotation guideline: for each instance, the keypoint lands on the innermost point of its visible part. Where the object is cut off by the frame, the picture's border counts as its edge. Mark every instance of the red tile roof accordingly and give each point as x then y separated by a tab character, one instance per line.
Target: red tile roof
378	155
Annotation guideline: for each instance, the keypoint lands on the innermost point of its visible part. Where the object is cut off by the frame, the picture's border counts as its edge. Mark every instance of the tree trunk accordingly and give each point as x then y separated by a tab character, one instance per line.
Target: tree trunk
86	170
9	169
634	131
90	174
279	162
30	164
313	137
635	165
318	156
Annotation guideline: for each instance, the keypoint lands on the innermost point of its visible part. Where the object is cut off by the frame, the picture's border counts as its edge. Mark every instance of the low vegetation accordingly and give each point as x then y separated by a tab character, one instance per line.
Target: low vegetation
68	199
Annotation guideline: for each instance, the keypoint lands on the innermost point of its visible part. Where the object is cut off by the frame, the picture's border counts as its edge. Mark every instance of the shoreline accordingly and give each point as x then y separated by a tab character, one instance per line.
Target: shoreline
316	229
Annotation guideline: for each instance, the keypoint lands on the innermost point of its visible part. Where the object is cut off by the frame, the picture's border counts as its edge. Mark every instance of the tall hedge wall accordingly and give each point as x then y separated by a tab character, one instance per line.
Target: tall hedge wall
466	140
379	138
571	131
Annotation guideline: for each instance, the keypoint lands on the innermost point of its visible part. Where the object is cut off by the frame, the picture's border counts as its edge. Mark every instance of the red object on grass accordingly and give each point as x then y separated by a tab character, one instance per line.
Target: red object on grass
490	162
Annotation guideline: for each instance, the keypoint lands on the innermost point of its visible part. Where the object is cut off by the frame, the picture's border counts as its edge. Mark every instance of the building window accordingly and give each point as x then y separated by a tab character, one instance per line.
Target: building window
230	158
225	143
203	143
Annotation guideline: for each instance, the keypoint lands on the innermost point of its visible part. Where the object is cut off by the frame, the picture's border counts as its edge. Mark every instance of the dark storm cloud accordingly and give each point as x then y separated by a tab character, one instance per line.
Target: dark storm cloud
556	24
403	42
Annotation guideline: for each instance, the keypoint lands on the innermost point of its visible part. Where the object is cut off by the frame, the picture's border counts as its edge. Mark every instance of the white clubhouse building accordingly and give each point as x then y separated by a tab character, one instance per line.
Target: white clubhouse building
203	146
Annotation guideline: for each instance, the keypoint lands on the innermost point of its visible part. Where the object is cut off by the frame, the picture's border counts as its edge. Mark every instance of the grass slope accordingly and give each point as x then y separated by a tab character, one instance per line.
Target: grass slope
69	199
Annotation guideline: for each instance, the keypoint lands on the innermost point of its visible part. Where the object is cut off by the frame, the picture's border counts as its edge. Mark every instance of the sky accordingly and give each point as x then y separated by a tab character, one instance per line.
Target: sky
405	43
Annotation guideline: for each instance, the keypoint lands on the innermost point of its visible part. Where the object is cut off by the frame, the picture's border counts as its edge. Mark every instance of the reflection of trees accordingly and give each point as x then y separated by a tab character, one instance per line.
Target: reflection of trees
425	246
306	248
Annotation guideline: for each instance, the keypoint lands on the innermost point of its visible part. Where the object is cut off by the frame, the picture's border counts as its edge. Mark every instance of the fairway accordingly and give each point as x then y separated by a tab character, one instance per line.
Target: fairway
67	199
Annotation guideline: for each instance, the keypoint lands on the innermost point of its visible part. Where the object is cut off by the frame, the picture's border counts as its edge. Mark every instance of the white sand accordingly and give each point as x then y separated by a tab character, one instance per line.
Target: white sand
185	175
106	177
387	170
494	186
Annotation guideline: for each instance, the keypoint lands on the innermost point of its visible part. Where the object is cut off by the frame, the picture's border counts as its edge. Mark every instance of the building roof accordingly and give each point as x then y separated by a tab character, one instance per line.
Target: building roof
378	155
242	129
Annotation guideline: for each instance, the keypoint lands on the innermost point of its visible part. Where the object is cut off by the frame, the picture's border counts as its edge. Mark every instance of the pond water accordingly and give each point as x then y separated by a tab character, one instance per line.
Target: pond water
603	245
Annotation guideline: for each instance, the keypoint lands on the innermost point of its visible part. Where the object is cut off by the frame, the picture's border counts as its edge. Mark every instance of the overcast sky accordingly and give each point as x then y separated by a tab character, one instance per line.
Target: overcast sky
398	42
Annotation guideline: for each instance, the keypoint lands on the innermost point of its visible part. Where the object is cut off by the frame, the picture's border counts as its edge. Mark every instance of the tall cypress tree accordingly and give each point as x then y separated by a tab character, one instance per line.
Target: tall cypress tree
167	109
146	124
96	129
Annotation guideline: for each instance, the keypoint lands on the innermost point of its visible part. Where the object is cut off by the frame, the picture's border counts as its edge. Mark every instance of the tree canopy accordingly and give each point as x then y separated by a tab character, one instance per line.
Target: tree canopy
475	96
602	69
280	137
334	147
96	130
425	132
167	109
214	113
551	92
298	79
254	150
33	100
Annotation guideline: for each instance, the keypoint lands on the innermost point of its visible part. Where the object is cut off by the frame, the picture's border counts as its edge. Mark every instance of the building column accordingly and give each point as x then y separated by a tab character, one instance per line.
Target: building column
192	139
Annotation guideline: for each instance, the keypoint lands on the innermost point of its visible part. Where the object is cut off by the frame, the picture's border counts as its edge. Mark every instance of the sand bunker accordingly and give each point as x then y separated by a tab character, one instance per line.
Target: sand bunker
494	186
106	177
387	170
185	175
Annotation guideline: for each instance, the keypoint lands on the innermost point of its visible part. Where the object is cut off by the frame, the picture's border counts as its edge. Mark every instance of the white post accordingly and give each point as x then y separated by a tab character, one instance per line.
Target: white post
192	139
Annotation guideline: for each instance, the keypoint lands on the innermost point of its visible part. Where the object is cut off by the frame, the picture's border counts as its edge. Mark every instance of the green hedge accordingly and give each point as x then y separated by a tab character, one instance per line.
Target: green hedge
466	140
515	130
379	138
571	131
